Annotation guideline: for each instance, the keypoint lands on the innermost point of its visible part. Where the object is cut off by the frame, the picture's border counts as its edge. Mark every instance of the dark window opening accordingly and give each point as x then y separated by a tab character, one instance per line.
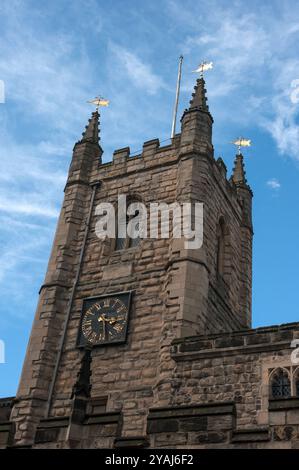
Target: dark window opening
127	242
281	385
220	248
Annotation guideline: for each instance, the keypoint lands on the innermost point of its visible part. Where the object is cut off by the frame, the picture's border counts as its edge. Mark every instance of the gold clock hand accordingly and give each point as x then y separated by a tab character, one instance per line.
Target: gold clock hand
102	319
115	319
104	330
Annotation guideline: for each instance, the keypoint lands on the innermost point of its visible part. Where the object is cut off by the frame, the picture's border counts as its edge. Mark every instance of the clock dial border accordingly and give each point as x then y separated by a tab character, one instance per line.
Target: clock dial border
88	302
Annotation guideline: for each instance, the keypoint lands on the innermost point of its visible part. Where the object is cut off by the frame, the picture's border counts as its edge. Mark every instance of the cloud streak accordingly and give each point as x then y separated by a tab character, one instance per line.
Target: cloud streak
245	49
140	73
274	184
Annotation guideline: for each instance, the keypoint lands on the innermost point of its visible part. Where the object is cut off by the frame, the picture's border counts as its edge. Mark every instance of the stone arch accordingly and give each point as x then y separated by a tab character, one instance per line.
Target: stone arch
280	383
296	382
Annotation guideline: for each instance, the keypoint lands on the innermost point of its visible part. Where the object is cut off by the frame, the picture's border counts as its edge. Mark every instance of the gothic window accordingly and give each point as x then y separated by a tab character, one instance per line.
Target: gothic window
220	247
127	242
134	241
280	384
296	382
120	242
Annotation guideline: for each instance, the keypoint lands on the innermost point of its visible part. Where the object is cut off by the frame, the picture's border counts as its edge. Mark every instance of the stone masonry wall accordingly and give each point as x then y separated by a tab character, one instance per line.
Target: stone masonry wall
232	367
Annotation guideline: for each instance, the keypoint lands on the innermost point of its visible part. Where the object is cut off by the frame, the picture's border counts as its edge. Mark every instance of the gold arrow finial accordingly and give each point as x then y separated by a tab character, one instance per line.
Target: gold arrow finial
241	142
203	67
99	101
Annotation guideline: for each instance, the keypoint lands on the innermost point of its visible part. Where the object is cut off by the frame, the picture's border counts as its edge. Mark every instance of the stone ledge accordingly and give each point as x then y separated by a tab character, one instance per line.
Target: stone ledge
132	442
192	410
49	428
195	418
53	423
251	435
5	426
103	418
54	284
75	181
218	352
243	333
283	404
252	341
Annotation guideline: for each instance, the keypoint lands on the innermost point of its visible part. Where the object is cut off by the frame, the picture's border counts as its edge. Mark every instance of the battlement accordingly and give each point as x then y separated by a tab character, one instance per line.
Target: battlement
154	155
270	338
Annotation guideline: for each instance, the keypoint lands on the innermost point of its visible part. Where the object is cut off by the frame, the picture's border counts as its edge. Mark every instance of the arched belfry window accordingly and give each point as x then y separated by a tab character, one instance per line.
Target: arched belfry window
134	241
296	382
122	243
221	249
280	384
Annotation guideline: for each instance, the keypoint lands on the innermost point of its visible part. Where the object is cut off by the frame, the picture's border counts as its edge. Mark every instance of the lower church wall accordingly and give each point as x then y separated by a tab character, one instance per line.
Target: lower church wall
234	367
219	398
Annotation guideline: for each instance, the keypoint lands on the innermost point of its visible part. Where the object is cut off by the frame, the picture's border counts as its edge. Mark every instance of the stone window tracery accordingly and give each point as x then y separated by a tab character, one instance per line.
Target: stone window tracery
280	384
284	382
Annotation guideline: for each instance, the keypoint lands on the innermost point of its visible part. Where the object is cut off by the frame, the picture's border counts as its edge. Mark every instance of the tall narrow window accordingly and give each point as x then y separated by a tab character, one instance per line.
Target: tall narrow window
127	242
120	242
220	247
280	384
296	382
135	241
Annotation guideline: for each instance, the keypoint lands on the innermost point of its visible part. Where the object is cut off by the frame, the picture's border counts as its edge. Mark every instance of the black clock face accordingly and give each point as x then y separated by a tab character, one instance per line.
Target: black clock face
104	320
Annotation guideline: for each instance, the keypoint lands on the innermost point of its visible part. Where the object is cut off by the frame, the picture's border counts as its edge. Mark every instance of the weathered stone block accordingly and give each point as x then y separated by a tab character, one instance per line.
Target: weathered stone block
193	424
163	425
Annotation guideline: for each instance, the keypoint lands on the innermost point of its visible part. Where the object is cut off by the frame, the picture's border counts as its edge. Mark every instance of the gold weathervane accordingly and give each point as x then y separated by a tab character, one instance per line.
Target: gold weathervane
203	67
241	142
99	101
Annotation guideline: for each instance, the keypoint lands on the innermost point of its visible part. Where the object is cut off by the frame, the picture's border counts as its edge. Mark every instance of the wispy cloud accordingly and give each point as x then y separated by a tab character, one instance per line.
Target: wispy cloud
139	72
45	102
26	208
243	44
40	68
273	183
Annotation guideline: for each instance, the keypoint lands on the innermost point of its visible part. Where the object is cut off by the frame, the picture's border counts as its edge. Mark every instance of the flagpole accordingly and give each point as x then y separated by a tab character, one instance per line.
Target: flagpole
175	109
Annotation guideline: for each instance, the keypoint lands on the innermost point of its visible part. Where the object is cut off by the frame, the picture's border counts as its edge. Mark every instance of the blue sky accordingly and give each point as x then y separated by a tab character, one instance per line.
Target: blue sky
56	55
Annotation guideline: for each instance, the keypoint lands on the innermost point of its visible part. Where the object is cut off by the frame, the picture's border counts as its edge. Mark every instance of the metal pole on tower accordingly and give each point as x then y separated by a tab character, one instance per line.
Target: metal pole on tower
175	109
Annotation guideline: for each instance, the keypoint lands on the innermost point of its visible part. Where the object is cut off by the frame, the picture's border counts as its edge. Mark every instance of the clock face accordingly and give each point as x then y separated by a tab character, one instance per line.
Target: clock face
104	320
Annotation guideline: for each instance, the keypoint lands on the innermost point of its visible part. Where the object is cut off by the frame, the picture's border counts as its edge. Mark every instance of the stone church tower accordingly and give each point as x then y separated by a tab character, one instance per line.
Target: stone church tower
181	365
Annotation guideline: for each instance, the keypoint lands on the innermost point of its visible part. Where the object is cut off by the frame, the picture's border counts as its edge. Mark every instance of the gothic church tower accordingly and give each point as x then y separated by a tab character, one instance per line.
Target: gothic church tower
104	393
